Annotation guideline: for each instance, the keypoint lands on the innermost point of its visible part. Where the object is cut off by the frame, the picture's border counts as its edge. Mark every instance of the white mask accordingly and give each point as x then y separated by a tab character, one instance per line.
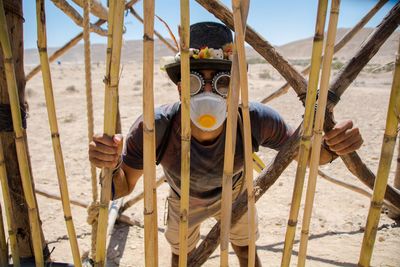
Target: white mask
207	111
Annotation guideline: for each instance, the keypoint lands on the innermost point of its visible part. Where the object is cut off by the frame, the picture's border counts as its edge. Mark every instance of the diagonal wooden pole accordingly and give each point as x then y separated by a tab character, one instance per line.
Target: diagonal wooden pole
96	8
55	136
114	43
185	131
149	139
339	45
305	142
20	140
230	145
388	144
318	128
8	207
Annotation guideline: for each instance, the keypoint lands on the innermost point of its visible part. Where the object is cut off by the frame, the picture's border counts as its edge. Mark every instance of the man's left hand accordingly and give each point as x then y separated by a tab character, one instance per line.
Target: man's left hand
343	138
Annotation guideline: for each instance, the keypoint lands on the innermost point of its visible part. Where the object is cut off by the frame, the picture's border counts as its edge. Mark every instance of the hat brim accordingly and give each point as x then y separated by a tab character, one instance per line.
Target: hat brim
174	69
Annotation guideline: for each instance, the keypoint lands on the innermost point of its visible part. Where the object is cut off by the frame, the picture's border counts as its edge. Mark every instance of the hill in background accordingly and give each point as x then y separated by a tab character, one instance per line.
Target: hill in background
132	50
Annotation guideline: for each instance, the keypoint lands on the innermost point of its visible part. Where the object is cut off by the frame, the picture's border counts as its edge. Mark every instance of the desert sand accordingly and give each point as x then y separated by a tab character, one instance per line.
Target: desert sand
339	215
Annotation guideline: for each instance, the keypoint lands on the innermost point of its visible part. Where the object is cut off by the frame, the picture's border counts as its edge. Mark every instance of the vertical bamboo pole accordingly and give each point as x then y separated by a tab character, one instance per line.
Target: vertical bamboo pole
230	145
396	182
389	141
149	141
8	207
21	147
3	243
318	128
248	168
115	27
304	149
185	132
55	136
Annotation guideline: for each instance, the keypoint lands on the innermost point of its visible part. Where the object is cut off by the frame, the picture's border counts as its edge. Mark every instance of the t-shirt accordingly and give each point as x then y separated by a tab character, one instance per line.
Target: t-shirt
206	161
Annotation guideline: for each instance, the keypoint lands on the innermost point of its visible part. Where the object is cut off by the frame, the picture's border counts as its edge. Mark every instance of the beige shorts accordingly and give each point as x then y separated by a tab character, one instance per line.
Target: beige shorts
197	215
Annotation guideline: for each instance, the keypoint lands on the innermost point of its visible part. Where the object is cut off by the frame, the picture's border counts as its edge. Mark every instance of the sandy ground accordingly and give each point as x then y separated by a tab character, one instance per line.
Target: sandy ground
339	215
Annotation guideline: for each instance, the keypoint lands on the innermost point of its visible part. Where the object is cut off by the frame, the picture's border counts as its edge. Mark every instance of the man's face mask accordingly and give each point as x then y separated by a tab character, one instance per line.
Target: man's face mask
208	109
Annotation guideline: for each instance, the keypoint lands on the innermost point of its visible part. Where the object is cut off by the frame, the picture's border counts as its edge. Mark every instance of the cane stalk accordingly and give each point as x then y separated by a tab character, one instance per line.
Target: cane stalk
149	141
21	146
305	141
55	136
318	129
3	243
8	207
114	42
185	132
389	141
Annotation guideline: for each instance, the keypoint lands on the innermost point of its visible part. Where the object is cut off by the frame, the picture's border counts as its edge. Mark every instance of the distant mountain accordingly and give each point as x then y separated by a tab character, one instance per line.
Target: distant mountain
132	50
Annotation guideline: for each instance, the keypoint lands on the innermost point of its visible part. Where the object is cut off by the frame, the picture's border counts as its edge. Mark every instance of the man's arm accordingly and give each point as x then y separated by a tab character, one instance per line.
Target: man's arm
124	180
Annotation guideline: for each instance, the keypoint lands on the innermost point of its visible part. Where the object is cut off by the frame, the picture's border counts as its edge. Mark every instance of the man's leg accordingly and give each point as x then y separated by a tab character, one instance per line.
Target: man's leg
243	254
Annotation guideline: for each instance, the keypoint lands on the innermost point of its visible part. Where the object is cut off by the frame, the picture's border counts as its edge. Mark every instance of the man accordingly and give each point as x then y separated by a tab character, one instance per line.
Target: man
211	49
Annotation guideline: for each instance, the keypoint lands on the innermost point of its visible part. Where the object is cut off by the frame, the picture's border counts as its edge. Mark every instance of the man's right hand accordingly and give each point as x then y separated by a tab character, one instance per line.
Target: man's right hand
105	151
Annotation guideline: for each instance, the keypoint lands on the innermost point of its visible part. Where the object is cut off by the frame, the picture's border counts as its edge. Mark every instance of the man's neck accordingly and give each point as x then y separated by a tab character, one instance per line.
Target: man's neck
205	137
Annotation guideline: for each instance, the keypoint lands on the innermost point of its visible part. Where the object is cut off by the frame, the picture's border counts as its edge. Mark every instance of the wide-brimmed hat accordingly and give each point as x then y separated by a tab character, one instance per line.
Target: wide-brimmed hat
210	48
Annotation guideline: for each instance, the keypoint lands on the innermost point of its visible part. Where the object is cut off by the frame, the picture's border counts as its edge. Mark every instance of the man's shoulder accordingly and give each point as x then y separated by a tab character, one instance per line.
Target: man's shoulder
166	111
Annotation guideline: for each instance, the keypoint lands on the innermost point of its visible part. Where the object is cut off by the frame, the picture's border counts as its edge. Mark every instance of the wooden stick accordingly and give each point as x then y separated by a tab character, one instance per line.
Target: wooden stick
96	8
318	128
21	146
3	243
140	196
149	140
76	17
115	27
389	141
185	131
396	182
156	33
305	142
8	207
340	44
55	136
230	147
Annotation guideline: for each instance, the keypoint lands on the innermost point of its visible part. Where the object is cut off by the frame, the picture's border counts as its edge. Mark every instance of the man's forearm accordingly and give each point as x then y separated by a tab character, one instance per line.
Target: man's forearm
120	184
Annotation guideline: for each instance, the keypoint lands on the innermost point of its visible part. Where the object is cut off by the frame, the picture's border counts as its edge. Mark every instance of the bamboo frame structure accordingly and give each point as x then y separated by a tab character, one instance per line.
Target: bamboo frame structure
305	143
149	140
388	144
230	146
156	33
76	17
8	208
115	24
55	136
185	131
339	45
96	8
3	243
318	129
21	146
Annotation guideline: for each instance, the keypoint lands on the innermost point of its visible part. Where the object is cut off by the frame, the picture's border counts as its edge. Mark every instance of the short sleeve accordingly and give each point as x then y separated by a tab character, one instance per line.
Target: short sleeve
268	128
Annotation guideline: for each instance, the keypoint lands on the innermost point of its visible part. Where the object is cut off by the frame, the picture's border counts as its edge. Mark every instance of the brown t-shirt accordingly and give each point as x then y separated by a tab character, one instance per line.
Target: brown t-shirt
206	161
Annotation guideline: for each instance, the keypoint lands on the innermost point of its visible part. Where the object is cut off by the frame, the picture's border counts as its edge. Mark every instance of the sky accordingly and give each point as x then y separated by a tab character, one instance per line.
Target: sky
278	21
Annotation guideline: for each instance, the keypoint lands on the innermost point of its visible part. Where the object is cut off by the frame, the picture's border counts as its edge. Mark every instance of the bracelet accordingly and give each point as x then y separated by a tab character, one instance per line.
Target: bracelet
332	153
116	168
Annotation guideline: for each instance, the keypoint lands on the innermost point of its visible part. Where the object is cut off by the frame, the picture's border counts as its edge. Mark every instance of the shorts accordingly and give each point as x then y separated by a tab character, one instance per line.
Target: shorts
197	215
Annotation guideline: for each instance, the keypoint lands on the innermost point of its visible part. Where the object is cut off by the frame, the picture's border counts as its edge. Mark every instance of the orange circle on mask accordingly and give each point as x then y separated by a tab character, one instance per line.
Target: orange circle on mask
206	120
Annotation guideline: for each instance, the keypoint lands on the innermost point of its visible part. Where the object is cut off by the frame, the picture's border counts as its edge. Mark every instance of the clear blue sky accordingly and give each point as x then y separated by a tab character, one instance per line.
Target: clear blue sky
278	21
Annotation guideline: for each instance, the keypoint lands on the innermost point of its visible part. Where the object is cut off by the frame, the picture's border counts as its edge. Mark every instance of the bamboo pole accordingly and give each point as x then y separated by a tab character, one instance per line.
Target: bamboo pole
230	147
340	44
55	136
115	27
318	129
76	17
248	169
307	132
96	8
396	183
8	207
20	140
149	140
388	144
156	33
185	131
3	243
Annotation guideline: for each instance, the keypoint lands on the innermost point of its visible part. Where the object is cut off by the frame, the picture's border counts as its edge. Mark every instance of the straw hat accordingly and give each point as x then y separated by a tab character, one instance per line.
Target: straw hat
210	48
